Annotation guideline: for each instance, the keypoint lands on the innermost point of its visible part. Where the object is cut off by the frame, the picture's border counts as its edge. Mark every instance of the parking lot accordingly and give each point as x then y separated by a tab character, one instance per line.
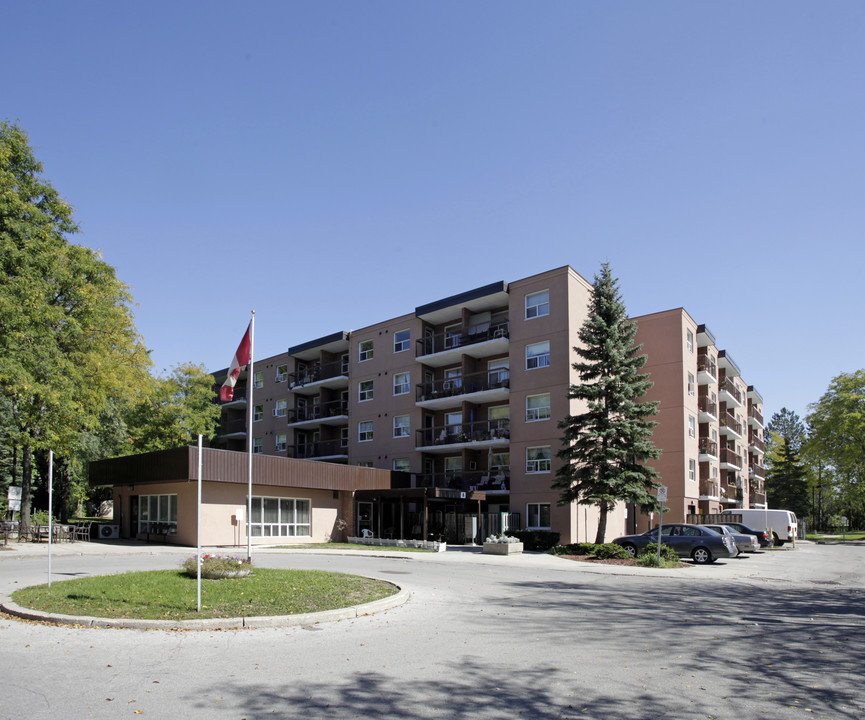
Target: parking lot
778	634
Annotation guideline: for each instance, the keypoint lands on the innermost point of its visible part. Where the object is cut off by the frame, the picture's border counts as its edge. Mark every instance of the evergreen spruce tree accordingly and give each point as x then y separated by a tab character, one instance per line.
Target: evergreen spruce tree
605	446
786	478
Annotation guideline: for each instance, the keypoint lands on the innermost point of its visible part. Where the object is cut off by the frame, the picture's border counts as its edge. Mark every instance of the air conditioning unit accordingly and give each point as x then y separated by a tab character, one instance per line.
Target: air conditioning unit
109	532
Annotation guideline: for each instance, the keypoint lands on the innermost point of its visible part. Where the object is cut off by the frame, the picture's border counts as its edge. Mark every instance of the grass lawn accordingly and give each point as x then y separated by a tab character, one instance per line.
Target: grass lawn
352	546
171	594
838	536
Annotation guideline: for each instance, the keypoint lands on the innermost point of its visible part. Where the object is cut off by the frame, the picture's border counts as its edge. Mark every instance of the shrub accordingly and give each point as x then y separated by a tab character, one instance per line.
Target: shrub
215	566
609	551
537	540
649	558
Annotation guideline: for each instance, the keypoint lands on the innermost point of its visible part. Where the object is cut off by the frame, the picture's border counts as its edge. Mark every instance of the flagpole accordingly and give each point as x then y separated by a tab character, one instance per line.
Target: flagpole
249	412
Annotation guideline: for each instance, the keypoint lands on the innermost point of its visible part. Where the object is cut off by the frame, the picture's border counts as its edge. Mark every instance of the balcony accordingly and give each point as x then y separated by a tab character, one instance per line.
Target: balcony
239	399
330	413
708	409
465	482
756	470
710	490
729	393
754	442
707	370
731	426
755	418
325	450
730	460
312	379
757	499
448	347
232	428
708	449
483	387
448	438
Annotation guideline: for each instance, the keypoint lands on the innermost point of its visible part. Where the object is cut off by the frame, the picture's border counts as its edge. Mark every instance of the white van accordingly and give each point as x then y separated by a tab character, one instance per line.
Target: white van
782	523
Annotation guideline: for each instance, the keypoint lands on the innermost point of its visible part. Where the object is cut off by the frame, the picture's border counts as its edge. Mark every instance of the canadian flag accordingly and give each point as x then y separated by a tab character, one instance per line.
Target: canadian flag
238	362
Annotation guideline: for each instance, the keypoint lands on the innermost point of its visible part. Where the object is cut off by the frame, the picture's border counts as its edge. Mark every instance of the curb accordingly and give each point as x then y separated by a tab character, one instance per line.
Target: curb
267	621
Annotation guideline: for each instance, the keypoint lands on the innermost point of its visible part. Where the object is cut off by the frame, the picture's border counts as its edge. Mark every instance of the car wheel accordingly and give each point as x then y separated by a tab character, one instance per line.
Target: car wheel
778	542
702	556
631	549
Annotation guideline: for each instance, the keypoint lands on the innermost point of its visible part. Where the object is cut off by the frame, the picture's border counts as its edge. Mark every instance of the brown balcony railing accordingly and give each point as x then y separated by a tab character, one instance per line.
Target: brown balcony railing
706	363
317	372
710	488
706	405
497	328
467	481
757	498
474	382
756	414
317	412
757	471
728	420
728	386
464	433
730	457
754	439
708	447
325	448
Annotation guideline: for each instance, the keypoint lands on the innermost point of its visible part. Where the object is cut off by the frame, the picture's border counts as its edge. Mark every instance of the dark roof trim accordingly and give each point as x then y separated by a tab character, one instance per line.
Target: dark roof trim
326	340
703	330
723	354
462	298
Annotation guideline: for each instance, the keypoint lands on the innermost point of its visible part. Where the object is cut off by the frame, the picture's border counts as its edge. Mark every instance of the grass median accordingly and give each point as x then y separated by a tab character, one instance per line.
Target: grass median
171	594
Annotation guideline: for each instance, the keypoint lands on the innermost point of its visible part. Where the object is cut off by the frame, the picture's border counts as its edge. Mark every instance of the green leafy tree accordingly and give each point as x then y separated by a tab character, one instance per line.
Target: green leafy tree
605	447
179	407
68	342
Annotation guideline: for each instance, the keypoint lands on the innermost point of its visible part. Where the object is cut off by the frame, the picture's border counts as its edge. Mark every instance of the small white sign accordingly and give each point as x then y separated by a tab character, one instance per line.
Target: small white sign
662	493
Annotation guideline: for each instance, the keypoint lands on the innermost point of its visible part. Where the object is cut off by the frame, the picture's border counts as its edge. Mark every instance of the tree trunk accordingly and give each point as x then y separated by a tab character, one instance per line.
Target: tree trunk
602	525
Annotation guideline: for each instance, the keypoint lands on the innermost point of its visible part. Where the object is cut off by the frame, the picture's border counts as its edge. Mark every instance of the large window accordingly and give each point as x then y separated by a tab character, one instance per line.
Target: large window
365	350
692	386
281	373
400	426
538	407
453	336
157	514
258	380
280	517
538	459
257	412
537	304
364	431
280	409
538	355
401	464
280	442
692	426
692	470
401	340
364	390
401	383
538	516
257	445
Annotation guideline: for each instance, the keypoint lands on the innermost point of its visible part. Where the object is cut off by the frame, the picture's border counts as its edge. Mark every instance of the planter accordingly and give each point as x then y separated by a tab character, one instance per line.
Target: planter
219	574
503	548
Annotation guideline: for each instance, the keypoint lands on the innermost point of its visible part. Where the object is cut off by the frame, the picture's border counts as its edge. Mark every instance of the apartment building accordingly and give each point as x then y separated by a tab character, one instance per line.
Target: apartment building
461	398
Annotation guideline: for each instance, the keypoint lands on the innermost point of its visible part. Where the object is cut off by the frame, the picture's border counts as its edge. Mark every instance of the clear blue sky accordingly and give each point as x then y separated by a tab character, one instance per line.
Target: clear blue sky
369	157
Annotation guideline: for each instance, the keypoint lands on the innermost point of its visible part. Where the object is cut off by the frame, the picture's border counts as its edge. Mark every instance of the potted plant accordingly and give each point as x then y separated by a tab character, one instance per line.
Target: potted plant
502	545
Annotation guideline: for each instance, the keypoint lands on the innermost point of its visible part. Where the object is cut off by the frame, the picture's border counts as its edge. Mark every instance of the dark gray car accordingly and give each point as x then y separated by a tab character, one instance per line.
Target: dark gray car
689	541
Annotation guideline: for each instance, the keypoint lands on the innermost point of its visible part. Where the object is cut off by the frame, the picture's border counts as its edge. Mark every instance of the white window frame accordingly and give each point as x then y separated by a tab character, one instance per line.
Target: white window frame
258	379
453	336
257	446
692	384
293	517
281	408
692	426
692	469
365	431
281	373
536	414
365	390
257	413
538	355
537	304
534	512
535	461
280	442
401	426
343	436
402	388
365	350
689	341
165	507
403	463
401	345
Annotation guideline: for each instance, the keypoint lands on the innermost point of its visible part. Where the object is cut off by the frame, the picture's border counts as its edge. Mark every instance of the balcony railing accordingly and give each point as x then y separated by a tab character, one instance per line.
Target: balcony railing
708	447
467	481
317	372
755	441
710	488
757	498
708	406
233	427
485	430
731	458
497	328
334	408
706	364
729	421
474	382
325	448
755	470
755	414
728	386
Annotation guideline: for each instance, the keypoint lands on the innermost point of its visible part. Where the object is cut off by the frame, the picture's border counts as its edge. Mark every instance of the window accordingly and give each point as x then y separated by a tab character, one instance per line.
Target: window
689	341
453	336
538	407
157	513
453	379
281	373
364	390
692	470
365	463
692	426
280	517
537	516
537	304
364	431
691	384
343	437
538	355
401	340
401	465
366	350
401	383
279	410
257	412
499	461
499	372
257	445
714	473
538	459
400	425
453	421
280	442
258	379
